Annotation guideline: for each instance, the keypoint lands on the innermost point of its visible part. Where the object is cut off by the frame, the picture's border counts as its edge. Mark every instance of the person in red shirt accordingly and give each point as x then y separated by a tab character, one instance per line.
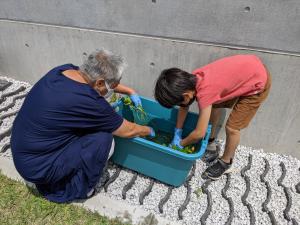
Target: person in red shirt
240	82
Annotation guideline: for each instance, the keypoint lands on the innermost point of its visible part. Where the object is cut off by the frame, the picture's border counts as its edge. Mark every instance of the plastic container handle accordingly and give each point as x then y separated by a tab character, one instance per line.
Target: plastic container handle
205	140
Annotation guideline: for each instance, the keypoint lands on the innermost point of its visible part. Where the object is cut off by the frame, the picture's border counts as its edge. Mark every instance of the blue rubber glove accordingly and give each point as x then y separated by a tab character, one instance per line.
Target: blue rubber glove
177	138
135	98
152	132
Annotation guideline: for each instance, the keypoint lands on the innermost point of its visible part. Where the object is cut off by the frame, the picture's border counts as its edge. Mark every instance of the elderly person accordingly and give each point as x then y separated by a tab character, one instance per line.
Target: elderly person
63	133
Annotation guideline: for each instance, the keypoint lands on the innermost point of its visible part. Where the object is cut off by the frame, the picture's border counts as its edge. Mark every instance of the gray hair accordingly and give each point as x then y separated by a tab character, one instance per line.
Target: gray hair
103	64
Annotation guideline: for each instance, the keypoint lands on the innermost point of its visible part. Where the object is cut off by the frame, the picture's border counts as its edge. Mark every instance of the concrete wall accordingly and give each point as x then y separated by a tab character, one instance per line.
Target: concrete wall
271	29
270	24
27	51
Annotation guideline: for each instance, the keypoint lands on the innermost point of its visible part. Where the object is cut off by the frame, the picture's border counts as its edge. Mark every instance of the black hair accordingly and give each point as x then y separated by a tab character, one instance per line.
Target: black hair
171	84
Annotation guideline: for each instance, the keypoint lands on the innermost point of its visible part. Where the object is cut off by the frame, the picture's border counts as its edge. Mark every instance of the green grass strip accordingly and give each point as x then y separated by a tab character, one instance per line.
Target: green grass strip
20	204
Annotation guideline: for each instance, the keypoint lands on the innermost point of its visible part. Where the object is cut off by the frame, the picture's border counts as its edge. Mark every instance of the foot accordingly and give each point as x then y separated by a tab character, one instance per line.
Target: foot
216	170
91	193
212	152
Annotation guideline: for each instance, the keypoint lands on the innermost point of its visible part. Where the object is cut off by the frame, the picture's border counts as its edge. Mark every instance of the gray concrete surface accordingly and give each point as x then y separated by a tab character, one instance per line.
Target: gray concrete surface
269	24
27	51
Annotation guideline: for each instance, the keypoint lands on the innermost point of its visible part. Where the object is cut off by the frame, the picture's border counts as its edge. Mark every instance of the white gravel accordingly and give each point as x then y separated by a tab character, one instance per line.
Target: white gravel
238	187
115	189
140	185
174	202
258	189
151	202
219	204
198	203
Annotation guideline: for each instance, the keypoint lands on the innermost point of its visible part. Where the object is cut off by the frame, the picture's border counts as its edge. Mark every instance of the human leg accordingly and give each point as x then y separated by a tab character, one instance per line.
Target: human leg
213	149
214	120
232	141
77	169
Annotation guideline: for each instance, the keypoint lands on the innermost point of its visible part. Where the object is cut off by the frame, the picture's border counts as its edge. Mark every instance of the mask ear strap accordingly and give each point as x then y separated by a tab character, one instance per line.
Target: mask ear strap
110	91
107	85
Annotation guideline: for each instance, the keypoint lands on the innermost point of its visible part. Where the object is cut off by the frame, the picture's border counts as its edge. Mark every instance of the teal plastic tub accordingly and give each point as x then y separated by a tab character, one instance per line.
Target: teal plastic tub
157	161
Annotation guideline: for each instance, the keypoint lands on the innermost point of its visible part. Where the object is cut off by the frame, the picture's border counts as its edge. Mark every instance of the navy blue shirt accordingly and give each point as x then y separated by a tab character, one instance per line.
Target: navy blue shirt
56	112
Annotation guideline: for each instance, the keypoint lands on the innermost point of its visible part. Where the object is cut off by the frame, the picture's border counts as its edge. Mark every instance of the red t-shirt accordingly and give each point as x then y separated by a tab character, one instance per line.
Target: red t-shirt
229	77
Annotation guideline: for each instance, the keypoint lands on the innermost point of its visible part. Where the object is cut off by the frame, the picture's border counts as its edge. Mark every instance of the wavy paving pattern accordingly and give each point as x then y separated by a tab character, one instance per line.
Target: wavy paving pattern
269	193
245	195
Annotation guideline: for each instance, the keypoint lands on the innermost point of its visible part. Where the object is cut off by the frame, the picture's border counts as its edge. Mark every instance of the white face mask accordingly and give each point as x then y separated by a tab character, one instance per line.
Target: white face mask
110	91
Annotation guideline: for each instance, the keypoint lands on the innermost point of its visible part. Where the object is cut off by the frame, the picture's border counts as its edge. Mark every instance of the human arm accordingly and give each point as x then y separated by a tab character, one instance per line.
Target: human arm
130	130
182	113
201	127
122	89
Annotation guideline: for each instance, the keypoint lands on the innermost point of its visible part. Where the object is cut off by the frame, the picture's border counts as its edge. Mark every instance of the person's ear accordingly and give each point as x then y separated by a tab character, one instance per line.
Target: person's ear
99	84
186	97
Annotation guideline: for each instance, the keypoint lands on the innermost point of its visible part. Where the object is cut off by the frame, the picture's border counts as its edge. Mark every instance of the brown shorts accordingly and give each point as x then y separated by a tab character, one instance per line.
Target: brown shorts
244	107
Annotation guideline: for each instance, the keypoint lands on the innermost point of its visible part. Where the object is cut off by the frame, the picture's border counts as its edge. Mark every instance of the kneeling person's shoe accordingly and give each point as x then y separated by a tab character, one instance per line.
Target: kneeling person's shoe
91	193
216	170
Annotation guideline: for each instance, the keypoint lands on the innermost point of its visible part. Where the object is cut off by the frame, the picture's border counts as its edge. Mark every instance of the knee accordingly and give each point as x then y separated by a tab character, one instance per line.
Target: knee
231	131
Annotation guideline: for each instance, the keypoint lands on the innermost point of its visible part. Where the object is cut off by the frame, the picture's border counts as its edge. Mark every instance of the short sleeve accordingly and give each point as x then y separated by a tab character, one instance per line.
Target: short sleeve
206	99
92	115
107	120
204	102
